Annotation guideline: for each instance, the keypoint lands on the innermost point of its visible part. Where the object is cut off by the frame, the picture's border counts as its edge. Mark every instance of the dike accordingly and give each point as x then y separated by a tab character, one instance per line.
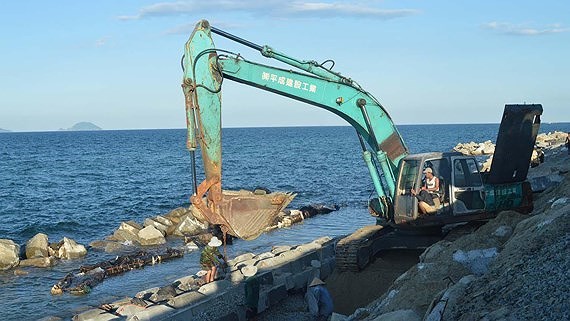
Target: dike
281	271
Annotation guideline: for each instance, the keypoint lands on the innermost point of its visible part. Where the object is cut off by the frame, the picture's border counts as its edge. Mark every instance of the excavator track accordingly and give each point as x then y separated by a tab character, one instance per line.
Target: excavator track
354	252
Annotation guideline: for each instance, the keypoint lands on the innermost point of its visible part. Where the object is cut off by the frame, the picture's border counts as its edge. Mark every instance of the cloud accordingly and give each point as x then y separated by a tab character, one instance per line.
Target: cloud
279	8
522	30
101	42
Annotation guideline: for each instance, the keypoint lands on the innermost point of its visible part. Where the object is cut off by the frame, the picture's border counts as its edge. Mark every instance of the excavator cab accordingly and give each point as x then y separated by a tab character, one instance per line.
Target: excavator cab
461	190
465	193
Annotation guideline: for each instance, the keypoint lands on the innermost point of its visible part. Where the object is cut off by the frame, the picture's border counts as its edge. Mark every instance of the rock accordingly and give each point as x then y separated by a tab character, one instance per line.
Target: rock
151	236
20	272
541	183
447	298
163	220
127	231
241	258
276	250
41	262
37	246
110	246
189	226
476	260
165	293
159	226
9	254
175	216
71	250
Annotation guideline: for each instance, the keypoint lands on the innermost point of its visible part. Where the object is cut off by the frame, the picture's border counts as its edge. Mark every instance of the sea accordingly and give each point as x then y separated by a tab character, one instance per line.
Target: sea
82	185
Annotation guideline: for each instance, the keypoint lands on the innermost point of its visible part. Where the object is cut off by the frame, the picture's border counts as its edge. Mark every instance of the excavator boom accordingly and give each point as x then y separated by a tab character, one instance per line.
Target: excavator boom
206	67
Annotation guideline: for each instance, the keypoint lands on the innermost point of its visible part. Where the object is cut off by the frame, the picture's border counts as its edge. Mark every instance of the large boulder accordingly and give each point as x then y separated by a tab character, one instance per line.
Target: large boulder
128	231
175	216
71	250
41	262
151	236
37	246
9	254
159	226
189	225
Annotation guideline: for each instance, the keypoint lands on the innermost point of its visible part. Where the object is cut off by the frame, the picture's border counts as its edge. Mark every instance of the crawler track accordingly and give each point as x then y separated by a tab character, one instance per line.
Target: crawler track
354	252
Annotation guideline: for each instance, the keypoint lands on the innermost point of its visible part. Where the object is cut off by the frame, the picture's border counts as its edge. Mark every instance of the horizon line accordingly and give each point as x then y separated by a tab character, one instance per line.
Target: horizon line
7	131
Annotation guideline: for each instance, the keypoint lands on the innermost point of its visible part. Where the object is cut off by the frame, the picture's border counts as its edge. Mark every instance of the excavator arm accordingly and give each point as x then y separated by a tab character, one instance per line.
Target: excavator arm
206	67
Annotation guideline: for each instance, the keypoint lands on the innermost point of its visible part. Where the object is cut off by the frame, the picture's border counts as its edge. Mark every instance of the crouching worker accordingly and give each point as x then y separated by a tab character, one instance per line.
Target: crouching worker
211	259
319	300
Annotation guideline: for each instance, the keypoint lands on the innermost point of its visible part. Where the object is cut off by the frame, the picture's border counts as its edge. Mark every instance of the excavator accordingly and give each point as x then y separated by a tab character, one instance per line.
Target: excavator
465	194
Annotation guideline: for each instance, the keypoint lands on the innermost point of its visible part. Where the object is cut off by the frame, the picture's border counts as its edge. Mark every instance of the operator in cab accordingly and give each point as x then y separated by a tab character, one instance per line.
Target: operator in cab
428	195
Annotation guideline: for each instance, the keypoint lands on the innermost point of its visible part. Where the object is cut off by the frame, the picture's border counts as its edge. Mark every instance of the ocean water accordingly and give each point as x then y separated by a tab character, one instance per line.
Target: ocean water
82	185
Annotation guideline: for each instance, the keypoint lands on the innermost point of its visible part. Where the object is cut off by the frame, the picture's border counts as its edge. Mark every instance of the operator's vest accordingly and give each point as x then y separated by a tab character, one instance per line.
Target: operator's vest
430	183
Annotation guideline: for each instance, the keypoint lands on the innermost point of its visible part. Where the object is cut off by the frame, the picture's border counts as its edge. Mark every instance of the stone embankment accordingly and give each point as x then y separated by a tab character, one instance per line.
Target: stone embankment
281	271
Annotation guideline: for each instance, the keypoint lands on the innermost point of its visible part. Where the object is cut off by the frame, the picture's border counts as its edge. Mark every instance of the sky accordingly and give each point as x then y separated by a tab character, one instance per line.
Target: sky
117	63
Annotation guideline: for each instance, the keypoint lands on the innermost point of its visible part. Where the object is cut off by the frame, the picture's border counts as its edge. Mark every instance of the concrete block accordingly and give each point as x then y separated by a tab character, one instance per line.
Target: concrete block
316	264
214	287
129	309
327	251
246	262
265	278
263	302
235	277
327	267
187	282
281	278
147	292
276	250
153	312
309	247
301	280
187	299
241	258
273	263
322	240
306	260
277	294
264	255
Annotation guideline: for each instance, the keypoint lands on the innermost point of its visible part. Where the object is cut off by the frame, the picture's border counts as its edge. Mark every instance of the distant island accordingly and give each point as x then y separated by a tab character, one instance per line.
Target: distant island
4	130
83	126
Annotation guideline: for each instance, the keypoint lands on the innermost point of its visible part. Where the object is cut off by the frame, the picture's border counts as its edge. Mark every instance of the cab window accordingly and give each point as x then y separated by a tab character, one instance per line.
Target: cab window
466	173
409	175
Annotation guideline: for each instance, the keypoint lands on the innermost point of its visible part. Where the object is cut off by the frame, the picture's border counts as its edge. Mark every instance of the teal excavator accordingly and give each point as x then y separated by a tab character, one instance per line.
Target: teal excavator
465	194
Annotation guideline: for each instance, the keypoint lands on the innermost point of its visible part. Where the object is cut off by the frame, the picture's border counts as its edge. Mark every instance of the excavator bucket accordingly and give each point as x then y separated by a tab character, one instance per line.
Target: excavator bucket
248	215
